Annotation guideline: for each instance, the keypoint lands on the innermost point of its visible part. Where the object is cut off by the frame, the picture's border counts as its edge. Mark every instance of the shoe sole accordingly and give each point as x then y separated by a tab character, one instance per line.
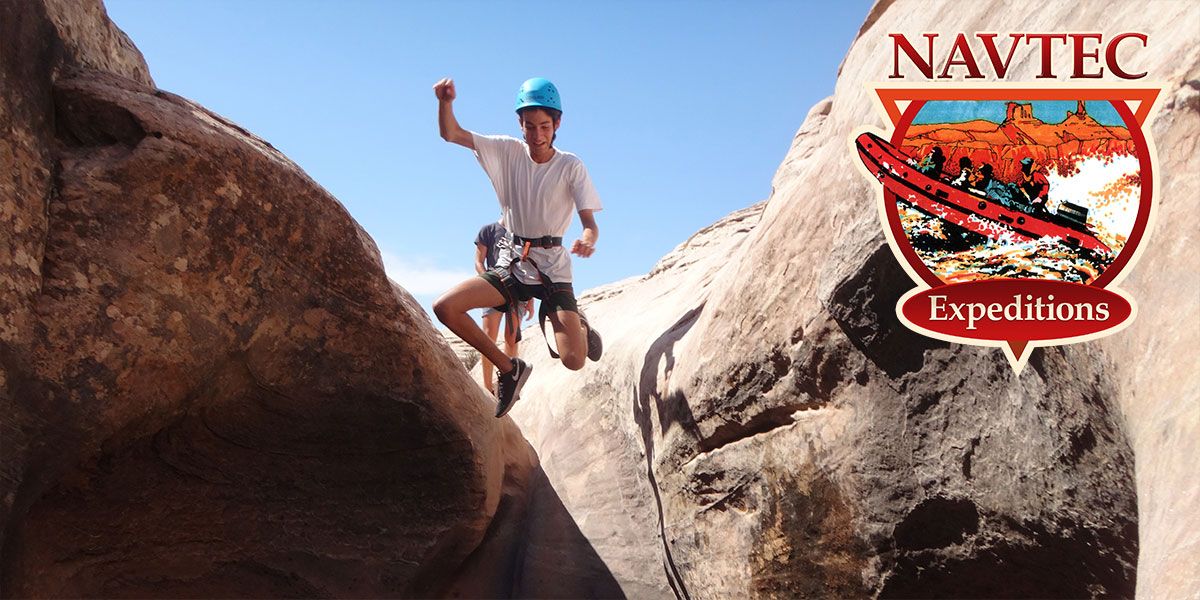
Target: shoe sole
595	350
517	393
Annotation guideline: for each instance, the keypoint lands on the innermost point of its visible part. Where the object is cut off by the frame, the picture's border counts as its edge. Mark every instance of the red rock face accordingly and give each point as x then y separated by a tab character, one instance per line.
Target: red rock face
1059	146
209	387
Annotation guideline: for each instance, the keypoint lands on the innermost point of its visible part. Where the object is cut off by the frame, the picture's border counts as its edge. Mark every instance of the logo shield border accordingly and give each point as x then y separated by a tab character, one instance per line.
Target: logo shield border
888	98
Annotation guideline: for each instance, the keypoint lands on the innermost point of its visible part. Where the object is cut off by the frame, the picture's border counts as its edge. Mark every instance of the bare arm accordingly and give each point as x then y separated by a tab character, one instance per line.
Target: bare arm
480	255
448	126
586	244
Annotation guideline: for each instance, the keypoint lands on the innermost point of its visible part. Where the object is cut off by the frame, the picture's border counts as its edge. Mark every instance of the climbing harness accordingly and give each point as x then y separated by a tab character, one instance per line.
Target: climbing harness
550	287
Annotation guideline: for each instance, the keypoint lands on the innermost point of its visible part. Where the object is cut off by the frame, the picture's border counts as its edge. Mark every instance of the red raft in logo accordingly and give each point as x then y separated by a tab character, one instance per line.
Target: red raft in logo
971	211
1014	210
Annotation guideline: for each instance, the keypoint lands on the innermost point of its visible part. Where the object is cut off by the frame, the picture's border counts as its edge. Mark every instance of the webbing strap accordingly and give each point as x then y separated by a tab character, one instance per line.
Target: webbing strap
546	285
510	316
542	323
542	314
546	241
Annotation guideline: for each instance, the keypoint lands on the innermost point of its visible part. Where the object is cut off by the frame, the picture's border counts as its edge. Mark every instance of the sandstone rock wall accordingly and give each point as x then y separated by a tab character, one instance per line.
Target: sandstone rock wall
762	425
1156	358
208	385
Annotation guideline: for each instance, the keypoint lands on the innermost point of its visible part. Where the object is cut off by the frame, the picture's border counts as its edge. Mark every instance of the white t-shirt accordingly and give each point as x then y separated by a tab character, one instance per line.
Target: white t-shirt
536	200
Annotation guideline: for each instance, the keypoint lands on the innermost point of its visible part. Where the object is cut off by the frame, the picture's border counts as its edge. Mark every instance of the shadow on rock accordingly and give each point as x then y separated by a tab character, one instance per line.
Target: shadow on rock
672	410
533	546
864	306
557	560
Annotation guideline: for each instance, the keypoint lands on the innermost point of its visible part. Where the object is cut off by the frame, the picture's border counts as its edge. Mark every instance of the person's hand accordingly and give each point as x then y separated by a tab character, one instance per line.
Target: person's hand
529	310
444	90
582	249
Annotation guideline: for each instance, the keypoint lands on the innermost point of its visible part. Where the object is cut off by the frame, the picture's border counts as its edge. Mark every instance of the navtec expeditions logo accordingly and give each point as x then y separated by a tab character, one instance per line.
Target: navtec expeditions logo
1015	207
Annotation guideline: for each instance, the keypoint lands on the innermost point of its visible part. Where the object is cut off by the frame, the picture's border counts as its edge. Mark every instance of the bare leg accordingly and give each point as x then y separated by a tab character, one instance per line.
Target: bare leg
491	326
570	337
451	309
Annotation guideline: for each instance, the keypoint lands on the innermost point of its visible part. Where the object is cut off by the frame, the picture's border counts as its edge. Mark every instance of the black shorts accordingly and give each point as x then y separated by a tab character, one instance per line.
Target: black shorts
559	296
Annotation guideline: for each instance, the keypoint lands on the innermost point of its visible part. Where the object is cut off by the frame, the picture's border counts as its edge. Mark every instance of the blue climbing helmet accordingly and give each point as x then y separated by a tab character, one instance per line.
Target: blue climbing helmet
538	92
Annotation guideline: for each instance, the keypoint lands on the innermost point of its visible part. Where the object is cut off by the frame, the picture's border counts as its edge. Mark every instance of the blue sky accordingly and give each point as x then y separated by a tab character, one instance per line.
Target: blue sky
682	111
1049	111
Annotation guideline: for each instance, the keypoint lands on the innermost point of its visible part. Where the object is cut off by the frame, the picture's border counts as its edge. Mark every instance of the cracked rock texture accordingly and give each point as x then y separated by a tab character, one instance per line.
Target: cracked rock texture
761	424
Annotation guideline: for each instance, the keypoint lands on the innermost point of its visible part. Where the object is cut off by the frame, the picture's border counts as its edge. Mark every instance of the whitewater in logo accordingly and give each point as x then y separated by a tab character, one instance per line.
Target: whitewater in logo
1087	167
1014	214
1108	187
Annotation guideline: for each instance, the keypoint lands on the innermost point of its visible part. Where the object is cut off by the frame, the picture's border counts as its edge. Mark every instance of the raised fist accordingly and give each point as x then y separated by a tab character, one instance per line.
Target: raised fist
444	90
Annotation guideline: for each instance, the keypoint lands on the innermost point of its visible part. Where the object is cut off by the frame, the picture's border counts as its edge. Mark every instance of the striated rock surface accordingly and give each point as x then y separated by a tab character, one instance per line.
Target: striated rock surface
467	355
208	386
761	425
1155	360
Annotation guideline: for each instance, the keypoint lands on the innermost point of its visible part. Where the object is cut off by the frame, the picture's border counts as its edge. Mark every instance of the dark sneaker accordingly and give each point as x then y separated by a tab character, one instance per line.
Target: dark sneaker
508	386
595	345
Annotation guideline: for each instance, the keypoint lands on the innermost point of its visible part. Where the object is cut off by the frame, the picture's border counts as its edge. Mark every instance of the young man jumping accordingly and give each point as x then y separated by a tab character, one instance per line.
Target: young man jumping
538	187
